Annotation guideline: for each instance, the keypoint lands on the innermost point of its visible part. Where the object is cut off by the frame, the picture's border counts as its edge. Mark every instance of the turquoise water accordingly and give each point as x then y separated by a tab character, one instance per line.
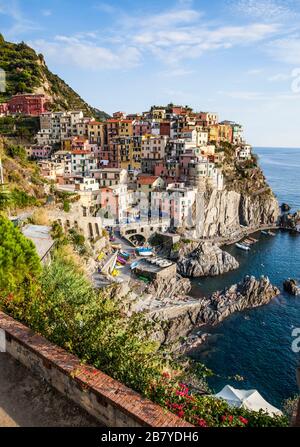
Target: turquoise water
256	344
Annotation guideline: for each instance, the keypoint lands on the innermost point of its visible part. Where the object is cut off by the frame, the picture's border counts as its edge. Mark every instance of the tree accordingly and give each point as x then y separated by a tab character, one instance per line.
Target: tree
20	269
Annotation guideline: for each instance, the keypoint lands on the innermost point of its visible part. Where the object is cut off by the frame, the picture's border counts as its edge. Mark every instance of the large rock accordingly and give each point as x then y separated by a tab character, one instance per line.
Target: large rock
179	318
291	286
247	294
206	259
221	213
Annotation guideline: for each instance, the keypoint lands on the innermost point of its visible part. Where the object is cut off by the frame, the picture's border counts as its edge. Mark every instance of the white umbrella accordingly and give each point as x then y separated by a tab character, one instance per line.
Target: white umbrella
249	399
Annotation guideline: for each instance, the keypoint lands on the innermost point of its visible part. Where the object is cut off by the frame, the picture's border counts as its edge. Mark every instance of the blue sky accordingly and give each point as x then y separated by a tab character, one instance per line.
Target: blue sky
240	58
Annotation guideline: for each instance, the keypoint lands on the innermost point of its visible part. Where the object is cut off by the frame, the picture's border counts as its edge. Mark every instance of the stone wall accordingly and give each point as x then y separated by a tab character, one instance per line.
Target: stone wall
111	402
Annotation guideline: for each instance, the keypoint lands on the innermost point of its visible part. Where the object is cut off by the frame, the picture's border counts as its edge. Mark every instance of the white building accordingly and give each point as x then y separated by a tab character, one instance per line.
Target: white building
244	152
175	203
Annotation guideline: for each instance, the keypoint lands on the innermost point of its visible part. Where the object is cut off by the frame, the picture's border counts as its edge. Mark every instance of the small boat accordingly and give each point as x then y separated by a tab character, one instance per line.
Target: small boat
124	254
134	265
270	233
253	239
242	246
116	246
146	253
265	233
143	250
166	264
121	261
144	279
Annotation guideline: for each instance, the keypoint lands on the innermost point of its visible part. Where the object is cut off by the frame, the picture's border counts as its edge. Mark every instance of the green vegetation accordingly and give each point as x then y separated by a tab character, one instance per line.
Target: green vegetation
26	72
20	269
66	206
20	127
61	304
22	179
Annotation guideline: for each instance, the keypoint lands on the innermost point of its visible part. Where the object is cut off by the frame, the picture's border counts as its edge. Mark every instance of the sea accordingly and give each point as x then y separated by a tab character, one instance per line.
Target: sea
254	348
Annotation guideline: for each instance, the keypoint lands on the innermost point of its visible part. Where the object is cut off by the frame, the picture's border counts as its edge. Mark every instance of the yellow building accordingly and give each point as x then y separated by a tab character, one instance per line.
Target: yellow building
220	133
125	128
96	132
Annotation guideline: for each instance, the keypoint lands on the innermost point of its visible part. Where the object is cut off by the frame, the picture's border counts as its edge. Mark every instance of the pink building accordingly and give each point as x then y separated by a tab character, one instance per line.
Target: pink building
40	152
3	108
141	128
27	104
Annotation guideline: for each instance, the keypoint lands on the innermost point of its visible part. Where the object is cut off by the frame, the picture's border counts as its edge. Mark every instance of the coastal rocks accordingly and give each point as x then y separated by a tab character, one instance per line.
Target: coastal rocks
290	221
206	259
291	287
164	288
247	294
178	318
285	207
220	214
257	210
217	214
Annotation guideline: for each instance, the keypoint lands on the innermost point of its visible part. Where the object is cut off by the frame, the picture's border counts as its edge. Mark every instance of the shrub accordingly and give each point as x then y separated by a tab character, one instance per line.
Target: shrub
20	269
205	410
40	217
66	206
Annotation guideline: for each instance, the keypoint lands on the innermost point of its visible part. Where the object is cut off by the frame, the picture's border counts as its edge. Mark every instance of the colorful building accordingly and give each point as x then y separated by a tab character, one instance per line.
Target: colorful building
27	104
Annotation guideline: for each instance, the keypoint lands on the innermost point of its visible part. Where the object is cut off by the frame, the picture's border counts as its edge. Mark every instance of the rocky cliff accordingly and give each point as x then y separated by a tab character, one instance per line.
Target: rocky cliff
247	294
178	320
206	260
221	213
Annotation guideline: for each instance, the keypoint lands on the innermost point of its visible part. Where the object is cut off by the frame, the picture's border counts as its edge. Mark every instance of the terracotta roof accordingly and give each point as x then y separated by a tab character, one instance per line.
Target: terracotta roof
79	152
147	179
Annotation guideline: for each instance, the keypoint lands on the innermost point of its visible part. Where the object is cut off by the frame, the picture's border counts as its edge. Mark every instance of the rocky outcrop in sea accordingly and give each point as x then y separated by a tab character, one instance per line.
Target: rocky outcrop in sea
291	287
206	259
179	318
289	221
247	294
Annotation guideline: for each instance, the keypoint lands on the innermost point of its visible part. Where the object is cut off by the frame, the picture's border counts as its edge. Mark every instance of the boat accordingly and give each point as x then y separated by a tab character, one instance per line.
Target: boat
242	246
146	253
270	233
144	279
265	233
116	246
121	260
134	265
124	254
144	250
166	264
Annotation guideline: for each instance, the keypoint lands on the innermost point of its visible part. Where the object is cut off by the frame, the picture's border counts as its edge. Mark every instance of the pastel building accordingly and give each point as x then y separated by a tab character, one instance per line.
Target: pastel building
27	104
154	146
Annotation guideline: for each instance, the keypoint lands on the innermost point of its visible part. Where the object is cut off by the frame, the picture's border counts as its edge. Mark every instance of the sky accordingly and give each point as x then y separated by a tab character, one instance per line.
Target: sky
240	58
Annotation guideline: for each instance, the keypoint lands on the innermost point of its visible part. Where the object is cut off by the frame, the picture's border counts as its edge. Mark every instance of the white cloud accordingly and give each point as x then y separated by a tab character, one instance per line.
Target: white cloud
73	51
176	72
286	50
46	12
265	9
105	7
280	77
255	71
20	24
173	45
261	96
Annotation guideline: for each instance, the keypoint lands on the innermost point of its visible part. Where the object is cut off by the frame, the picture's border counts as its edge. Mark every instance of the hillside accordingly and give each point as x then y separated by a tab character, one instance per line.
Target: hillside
22	181
27	72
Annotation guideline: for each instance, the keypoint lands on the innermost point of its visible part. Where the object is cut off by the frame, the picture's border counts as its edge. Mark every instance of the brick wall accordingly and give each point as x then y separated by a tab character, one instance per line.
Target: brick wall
111	402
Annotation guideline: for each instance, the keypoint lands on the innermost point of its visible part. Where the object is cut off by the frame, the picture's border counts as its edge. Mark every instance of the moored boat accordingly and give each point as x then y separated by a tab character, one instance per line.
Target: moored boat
242	246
